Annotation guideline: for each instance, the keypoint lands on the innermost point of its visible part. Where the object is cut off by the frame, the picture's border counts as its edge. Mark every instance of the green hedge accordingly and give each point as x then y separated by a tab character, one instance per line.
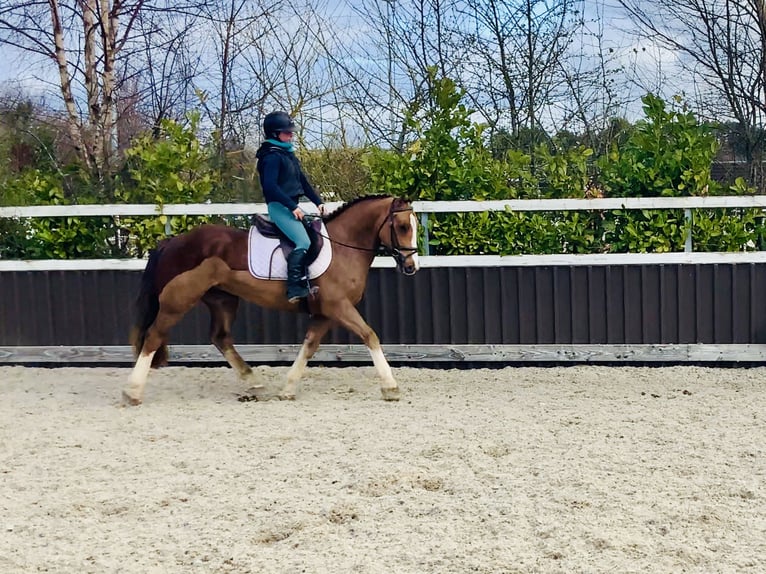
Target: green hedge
446	157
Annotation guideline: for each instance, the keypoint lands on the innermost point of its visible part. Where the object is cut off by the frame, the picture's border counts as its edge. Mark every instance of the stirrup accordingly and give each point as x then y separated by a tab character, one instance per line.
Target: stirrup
302	292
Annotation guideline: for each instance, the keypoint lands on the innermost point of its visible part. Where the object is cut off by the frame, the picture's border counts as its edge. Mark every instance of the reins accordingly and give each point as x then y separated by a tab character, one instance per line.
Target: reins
331	240
382	249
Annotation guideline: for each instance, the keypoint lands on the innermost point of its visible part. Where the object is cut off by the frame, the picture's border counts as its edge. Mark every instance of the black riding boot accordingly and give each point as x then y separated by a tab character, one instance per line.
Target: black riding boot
297	280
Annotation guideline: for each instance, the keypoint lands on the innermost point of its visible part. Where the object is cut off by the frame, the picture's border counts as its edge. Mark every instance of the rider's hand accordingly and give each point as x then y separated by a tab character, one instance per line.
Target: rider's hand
298	213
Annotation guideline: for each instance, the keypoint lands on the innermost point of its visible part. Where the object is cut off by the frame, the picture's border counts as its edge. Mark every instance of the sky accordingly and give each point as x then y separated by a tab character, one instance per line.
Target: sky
650	64
652	68
26	71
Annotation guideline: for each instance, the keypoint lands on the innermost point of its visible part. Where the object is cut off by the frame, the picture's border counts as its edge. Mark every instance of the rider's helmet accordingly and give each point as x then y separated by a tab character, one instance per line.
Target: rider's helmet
276	122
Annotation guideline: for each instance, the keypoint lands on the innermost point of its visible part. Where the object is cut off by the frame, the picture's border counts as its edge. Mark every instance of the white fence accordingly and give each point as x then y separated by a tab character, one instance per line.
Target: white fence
500	353
423	208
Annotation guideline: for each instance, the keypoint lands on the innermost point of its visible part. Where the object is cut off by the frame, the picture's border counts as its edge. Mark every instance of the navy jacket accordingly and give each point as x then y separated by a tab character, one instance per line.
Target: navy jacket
282	178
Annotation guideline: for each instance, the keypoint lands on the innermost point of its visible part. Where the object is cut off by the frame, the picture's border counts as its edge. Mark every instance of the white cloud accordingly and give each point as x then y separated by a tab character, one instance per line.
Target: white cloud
27	74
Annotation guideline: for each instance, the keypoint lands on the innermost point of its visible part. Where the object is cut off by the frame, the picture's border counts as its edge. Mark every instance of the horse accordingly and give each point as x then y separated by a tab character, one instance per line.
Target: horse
210	264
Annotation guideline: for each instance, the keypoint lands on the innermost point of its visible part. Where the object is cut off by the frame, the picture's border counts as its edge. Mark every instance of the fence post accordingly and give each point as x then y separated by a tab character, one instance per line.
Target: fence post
690	221
424	223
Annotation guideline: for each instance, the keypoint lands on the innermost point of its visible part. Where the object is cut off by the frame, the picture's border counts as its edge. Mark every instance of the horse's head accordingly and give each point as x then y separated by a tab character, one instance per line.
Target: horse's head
398	236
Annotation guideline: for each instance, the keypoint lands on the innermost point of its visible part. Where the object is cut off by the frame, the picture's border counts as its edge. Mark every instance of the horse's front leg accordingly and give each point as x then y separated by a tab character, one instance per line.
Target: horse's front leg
318	326
353	321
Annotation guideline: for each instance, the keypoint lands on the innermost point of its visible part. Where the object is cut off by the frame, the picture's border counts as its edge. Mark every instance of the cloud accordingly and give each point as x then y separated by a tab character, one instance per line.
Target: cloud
27	74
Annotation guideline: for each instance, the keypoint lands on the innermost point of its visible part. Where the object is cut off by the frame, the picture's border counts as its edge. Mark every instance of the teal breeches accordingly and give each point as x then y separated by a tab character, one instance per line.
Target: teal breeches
290	226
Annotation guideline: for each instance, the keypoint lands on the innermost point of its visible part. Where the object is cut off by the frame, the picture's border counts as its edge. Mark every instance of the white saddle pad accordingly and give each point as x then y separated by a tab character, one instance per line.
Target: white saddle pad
266	260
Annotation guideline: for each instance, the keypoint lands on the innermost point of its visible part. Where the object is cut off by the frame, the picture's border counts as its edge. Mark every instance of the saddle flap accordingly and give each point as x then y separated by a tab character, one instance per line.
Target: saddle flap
265	227
267	251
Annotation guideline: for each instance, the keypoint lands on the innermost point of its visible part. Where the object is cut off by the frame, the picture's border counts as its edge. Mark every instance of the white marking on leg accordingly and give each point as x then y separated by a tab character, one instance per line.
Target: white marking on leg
295	373
388	386
137	380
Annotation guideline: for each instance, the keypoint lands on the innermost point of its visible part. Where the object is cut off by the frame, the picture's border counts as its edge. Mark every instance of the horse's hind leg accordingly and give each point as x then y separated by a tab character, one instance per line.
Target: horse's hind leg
176	299
318	326
156	337
223	310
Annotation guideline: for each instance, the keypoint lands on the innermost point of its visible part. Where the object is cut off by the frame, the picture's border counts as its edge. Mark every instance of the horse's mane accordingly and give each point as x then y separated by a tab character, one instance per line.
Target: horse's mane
353	202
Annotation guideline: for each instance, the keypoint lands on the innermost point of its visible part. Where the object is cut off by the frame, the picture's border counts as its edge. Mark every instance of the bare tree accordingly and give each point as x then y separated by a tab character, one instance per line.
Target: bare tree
420	37
594	88
381	61
356	49
82	38
165	60
233	28
722	45
519	50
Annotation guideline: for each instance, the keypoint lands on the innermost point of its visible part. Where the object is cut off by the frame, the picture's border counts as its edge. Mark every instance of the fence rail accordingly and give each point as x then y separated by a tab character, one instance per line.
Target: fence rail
423	208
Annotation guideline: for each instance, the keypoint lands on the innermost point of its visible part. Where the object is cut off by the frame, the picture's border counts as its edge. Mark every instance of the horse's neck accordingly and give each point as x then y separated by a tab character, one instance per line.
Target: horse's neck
359	226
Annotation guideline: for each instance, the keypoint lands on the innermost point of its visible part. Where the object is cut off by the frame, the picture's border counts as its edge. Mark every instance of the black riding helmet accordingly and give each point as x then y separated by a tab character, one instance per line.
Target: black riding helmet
276	122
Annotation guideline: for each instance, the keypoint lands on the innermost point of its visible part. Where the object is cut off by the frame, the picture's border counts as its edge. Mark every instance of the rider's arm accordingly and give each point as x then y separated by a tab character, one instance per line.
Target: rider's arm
308	191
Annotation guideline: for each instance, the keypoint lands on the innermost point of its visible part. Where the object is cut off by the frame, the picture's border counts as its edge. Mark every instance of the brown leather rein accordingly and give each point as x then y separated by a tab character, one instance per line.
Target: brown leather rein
398	252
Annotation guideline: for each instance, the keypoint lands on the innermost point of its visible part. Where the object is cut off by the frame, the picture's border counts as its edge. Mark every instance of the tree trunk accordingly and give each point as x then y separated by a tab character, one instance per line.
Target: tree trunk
109	24
88	8
73	121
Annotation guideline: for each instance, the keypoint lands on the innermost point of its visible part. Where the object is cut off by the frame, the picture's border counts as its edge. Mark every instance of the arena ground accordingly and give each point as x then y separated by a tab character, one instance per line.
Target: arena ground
516	470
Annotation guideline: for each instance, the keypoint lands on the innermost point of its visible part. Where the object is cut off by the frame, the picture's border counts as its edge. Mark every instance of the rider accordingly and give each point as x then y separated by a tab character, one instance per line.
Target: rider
283	182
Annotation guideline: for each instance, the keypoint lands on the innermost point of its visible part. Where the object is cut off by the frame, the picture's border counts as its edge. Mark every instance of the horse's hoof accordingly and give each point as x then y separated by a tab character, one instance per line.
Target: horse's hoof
286	396
129	401
392	394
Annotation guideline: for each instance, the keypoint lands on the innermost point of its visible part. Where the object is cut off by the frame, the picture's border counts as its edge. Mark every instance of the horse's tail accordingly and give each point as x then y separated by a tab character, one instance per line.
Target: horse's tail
146	307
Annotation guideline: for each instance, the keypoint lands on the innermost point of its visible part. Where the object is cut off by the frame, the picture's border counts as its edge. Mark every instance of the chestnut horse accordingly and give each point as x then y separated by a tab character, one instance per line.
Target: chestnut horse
209	264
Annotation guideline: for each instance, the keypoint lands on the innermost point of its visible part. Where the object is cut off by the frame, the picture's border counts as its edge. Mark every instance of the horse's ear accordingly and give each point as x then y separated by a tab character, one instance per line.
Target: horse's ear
400	203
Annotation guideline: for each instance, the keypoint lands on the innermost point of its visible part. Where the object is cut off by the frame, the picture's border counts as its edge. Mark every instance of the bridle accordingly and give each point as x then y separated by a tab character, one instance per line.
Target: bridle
399	253
395	250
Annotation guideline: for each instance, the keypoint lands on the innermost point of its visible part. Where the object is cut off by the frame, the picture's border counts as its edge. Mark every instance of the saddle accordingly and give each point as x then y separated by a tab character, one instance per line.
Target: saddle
268	228
267	249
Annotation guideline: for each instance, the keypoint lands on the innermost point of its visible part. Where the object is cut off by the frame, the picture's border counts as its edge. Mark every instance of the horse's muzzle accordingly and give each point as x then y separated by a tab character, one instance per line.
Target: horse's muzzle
406	260
408	265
